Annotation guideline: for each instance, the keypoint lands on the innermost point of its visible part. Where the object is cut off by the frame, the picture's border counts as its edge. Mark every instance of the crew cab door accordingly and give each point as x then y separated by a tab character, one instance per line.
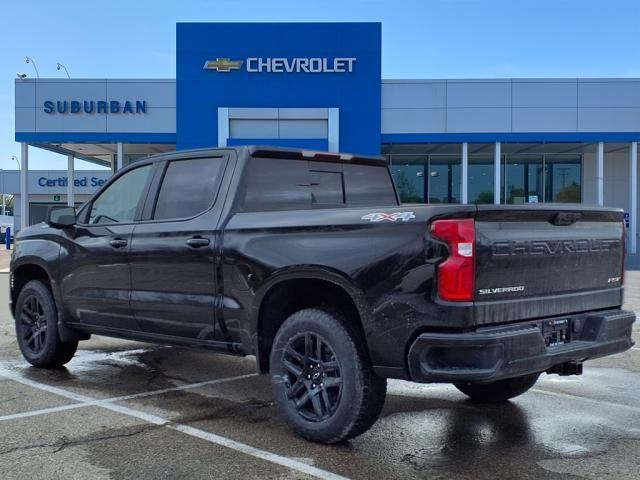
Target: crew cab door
94	262
174	252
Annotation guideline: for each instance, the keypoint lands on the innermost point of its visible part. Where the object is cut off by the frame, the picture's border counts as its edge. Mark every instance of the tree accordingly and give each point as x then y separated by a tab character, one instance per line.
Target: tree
484	197
569	194
8	205
407	190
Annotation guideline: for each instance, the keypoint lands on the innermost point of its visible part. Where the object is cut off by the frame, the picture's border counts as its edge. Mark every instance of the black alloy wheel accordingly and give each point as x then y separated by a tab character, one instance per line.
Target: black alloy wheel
323	383
313	379
36	320
34	324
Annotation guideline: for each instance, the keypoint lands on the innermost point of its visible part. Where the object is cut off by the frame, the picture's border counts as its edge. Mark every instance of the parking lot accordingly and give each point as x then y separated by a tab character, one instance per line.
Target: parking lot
131	410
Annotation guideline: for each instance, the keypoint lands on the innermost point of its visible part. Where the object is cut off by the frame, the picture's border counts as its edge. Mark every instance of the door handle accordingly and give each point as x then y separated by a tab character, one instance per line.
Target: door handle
197	242
118	242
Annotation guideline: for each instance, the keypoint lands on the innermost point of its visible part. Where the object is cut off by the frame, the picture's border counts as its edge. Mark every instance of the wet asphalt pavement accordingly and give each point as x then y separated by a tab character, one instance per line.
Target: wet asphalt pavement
131	410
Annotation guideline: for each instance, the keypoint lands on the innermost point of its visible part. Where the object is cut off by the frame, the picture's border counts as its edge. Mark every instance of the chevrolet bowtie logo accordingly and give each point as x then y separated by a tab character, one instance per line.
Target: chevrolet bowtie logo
223	64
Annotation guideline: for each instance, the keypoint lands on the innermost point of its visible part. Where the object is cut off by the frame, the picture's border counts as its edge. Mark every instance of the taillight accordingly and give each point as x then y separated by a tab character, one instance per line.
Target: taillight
456	275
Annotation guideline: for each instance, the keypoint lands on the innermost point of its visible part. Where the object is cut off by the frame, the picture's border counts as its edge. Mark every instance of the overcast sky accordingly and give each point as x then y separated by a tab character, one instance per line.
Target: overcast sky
420	39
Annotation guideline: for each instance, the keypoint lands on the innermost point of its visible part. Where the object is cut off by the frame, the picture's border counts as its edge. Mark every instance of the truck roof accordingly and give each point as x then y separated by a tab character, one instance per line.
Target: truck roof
266	151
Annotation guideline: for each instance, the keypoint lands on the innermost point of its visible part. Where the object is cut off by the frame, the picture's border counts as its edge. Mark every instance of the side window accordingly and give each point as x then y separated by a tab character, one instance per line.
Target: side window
276	184
118	203
188	188
368	186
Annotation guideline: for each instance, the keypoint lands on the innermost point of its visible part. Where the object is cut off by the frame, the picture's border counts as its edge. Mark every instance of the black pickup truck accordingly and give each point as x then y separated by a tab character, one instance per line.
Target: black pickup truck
310	262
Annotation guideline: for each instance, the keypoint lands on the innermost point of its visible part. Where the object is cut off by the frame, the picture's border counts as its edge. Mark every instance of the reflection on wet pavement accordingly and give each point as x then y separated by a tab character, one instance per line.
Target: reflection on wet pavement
575	427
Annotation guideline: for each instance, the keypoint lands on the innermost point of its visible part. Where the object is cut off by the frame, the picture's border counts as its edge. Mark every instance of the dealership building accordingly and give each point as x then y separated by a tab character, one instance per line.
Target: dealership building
318	86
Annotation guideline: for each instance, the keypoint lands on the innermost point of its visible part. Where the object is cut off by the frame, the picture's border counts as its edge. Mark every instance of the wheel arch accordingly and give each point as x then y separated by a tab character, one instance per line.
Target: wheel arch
33	268
27	270
294	289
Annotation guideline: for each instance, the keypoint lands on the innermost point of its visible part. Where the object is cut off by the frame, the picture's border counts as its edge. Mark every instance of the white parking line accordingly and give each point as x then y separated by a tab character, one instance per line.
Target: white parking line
586	399
44	411
194	432
62	408
179	388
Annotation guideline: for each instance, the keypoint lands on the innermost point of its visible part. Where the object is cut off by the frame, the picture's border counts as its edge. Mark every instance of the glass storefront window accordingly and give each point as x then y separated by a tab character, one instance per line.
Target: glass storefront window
444	179
542	178
563	178
408	173
522	179
537	176
481	179
427	178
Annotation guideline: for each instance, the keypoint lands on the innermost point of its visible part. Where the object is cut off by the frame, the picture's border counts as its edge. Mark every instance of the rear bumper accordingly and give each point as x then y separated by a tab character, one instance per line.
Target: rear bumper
493	353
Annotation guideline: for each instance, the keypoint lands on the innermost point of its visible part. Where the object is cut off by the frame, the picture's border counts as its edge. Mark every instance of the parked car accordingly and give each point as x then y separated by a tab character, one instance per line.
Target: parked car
310	262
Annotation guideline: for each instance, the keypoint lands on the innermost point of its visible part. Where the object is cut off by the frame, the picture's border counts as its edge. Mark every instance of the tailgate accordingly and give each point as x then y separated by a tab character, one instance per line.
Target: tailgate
546	260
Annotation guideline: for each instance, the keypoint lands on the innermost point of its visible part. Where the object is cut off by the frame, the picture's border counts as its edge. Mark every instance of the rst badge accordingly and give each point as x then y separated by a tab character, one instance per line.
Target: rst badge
389	217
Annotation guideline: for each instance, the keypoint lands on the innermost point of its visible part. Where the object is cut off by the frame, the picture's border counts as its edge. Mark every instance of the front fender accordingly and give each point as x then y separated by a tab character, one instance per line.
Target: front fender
43	253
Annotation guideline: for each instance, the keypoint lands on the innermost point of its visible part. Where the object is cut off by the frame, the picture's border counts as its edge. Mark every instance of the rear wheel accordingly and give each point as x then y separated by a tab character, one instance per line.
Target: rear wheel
322	380
499	391
36	320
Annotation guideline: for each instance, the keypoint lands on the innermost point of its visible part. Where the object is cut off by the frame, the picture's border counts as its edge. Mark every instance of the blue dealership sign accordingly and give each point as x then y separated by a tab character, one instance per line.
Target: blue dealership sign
279	65
94	106
78	182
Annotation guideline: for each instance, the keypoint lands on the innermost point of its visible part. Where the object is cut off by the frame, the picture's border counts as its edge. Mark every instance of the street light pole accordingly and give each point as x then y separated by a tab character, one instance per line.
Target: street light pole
19	168
61	65
30	60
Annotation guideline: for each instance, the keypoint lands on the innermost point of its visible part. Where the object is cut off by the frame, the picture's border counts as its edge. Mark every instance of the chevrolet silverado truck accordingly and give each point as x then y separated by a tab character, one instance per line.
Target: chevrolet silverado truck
310	262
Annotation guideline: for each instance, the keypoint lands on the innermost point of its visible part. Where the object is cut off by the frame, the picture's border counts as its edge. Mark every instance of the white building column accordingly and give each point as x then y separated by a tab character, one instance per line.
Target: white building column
496	172
465	173
333	127
4	200
70	180
600	173
223	126
633	197
119	156
24	194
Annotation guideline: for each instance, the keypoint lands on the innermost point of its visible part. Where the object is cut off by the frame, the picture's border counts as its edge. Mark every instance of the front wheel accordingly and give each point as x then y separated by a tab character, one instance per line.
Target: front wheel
36	319
323	383
499	391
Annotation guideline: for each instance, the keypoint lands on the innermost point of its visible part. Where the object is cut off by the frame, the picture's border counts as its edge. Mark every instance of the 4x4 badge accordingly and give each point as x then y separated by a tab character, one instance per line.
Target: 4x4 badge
391	217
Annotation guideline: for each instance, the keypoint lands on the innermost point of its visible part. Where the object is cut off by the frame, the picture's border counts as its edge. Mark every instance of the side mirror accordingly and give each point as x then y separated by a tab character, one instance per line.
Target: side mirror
61	217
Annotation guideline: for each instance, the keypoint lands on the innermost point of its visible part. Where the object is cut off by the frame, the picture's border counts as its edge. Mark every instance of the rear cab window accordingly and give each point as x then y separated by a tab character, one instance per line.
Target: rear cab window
273	184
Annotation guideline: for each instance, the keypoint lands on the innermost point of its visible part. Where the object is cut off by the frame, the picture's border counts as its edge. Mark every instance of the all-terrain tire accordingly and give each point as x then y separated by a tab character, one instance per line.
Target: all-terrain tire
337	376
36	318
499	391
